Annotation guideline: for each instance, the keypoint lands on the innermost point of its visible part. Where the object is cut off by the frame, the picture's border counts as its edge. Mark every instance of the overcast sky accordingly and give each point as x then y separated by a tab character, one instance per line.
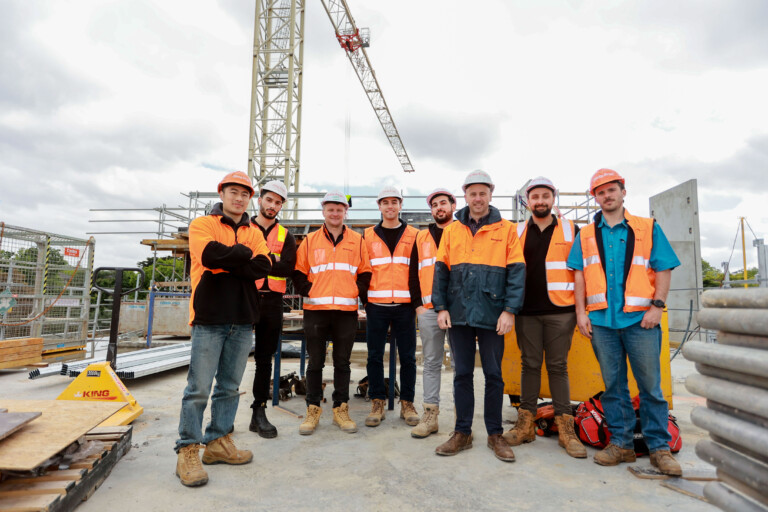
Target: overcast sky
126	104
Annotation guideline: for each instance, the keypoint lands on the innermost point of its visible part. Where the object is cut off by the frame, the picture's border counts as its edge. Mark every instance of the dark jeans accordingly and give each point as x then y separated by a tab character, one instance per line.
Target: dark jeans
267	336
491	347
545	338
402	318
320	327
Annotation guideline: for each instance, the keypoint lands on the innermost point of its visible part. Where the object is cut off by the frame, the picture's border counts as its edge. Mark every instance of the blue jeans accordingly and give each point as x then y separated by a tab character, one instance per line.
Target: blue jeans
402	318
643	347
220	351
491	346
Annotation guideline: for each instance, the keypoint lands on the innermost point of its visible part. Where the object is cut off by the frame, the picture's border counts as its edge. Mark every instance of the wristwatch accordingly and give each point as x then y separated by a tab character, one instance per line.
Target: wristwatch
658	303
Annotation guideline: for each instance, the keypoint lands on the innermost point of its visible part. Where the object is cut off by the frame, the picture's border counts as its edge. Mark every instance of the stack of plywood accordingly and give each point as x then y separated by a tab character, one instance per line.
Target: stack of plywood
20	352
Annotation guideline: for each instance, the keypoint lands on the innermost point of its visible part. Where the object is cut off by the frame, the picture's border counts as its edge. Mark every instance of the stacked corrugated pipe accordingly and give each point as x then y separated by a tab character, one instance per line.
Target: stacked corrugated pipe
733	377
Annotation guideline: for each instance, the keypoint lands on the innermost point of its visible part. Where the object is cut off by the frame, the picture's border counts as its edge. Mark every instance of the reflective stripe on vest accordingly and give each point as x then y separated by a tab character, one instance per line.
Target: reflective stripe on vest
639	287
275	242
389	282
427	251
324	301
559	277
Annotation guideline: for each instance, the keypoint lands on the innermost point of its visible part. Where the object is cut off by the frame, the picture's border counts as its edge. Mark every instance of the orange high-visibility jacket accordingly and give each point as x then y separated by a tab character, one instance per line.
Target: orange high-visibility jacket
389	281
222	296
559	276
427	251
640	284
332	270
275	242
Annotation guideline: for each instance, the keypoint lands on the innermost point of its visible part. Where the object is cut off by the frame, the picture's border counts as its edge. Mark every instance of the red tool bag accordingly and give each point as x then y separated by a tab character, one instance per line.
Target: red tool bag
592	428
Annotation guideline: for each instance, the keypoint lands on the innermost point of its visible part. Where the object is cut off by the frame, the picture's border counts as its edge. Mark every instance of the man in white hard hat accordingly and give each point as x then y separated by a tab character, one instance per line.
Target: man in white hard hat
282	247
442	204
478	288
332	268
390	305
545	325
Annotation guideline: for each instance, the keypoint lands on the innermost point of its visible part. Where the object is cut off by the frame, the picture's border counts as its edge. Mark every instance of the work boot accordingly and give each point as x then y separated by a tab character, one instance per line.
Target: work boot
408	413
456	443
666	463
342	419
224	451
612	455
501	448
428	423
524	430
188	467
567	437
310	422
377	415
259	422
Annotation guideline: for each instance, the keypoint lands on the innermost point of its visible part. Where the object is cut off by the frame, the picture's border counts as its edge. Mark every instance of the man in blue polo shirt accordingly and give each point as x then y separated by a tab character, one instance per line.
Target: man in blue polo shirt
623	267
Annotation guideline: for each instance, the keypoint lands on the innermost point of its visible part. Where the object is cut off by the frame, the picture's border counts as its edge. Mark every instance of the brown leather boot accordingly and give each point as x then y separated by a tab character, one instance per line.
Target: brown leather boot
188	467
224	451
456	443
377	415
311	420
524	430
501	448
612	455
666	463
408	413
342	419
567	437
428	423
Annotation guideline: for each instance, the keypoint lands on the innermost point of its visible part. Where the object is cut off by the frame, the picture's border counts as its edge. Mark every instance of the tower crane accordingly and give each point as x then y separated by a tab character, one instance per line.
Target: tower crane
274	146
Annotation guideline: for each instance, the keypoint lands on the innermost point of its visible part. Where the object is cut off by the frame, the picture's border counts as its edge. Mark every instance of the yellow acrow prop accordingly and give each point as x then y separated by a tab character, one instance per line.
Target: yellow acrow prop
99	382
583	369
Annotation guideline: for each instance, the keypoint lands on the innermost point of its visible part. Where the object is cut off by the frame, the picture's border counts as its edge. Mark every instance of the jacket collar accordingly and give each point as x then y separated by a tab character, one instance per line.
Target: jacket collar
219	210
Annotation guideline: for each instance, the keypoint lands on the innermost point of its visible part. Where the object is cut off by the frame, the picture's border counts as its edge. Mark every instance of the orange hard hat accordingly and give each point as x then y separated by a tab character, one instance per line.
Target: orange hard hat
237	178
602	177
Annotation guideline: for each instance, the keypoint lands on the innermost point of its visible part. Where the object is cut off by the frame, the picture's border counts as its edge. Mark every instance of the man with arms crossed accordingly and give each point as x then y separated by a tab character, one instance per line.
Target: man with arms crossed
623	266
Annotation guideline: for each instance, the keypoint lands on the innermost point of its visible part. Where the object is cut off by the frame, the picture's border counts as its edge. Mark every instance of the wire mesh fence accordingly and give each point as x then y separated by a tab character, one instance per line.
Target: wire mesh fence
45	282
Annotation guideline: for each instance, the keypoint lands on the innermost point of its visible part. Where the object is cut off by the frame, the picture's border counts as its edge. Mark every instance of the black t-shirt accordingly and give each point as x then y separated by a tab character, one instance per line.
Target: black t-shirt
536	300
392	235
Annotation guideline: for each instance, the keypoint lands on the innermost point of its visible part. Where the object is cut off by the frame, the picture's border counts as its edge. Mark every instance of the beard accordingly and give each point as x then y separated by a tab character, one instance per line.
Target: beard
442	219
541	214
266	214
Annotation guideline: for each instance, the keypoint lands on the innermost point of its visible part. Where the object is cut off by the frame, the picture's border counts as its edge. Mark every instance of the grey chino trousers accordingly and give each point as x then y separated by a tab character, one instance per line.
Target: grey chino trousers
432	347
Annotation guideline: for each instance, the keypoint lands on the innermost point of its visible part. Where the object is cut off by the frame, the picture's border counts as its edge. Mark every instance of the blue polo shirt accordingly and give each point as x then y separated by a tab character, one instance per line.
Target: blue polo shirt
614	245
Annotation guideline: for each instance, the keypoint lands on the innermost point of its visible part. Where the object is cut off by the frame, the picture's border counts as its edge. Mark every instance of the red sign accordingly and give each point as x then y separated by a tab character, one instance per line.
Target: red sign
68	251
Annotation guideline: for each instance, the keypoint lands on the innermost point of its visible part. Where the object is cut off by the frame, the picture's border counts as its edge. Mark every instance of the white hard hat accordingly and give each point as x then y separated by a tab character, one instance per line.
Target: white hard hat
540	181
389	191
335	197
478	177
278	187
440	191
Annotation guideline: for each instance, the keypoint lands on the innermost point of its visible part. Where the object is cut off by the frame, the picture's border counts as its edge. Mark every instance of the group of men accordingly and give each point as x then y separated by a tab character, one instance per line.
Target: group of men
469	281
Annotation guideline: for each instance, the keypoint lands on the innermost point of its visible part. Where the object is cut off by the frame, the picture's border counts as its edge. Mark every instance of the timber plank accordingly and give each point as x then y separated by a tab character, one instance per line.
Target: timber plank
21	342
692	489
10	422
20	362
11	489
30	349
35	503
62	422
63	475
15	356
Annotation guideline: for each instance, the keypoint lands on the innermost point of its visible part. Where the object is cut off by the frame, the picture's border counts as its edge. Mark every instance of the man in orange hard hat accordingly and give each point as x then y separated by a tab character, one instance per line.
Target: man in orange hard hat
282	247
228	255
622	270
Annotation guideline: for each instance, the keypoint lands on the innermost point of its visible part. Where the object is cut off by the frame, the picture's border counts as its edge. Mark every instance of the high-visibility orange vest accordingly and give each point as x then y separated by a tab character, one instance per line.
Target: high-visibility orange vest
427	251
389	282
332	270
275	242
640	285
559	277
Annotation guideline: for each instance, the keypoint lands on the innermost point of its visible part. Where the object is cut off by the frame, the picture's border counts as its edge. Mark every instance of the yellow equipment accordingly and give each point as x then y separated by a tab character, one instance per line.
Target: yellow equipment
584	374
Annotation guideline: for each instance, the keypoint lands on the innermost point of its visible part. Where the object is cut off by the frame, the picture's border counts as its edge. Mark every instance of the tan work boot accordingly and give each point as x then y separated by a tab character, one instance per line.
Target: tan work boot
342	419
224	451
408	413
188	467
567	437
428	423
612	455
524	430
377	415
500	448
311	420
666	463
456	443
